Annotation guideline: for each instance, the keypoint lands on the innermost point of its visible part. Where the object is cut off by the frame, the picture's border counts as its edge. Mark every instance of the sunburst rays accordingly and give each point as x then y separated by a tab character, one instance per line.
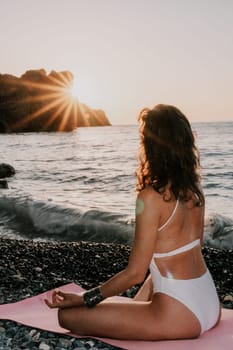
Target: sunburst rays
52	101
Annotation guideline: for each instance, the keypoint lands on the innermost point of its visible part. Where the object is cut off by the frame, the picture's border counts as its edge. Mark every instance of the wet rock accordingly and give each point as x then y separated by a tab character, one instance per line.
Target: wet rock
3	184
6	170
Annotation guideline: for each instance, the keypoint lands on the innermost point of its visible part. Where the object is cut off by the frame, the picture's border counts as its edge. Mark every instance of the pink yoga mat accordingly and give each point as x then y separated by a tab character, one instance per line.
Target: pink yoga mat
34	313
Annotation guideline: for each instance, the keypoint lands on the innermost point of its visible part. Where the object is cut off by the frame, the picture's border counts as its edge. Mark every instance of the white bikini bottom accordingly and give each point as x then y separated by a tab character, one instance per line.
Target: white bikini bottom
198	294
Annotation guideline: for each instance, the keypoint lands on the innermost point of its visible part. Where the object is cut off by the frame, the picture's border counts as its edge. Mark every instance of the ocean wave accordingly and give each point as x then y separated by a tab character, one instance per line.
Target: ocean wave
38	219
218	231
213	185
220	174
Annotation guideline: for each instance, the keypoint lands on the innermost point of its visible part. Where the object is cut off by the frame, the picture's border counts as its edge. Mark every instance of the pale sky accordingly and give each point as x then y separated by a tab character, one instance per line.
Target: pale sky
128	54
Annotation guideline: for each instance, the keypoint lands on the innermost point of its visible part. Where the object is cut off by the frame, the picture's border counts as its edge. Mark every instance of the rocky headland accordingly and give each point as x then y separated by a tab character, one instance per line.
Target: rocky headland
37	102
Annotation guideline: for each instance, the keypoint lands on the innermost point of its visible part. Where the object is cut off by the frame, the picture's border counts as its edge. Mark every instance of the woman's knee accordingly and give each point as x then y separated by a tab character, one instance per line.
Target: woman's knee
63	318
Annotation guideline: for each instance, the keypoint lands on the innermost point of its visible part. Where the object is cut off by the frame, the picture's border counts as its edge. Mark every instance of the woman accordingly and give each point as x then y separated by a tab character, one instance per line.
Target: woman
178	300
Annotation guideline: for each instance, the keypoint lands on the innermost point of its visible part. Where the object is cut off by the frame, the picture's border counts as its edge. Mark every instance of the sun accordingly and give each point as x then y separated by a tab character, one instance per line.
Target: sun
74	90
83	91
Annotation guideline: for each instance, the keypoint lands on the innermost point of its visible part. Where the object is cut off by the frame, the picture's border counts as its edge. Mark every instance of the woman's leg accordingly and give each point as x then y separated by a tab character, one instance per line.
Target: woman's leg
120	320
132	320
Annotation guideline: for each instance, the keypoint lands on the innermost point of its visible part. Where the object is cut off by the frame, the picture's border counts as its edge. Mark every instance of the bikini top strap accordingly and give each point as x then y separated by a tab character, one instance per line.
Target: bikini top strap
182	249
170	217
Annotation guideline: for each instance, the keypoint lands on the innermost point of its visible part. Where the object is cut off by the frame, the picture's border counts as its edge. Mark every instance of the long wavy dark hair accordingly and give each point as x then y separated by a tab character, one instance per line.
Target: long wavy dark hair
168	154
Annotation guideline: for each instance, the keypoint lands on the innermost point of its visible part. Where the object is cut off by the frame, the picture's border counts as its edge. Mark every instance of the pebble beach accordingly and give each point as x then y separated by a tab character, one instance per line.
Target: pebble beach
28	268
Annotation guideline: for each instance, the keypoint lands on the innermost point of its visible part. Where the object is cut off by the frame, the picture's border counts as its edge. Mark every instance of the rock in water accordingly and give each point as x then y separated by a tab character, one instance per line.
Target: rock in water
6	170
3	184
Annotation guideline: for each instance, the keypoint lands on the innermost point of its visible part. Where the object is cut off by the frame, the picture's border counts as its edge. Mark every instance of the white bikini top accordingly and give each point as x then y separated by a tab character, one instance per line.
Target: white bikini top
182	249
170	217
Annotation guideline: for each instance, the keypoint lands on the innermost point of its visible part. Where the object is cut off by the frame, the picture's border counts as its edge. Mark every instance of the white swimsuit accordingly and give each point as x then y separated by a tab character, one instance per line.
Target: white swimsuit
199	294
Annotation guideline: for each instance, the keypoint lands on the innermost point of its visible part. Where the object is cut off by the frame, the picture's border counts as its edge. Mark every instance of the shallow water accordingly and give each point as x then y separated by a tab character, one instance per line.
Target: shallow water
81	185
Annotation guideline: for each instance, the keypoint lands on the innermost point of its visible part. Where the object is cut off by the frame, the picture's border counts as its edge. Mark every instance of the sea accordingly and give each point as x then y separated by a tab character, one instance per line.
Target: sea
80	185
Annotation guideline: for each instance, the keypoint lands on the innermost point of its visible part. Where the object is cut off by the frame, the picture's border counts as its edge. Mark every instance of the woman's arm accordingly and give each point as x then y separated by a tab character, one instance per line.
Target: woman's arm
147	219
145	293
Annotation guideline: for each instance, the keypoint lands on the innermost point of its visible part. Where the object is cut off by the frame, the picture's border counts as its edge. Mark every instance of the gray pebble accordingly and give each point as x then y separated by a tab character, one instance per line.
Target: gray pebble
38	269
228	298
44	346
2	329
65	343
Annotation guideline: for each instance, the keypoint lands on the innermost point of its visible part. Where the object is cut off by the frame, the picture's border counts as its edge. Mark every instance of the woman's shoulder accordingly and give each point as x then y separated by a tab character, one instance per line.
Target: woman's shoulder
148	194
149	204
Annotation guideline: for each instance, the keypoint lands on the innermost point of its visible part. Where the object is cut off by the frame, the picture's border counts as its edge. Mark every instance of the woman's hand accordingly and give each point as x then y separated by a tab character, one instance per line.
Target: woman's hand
63	300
